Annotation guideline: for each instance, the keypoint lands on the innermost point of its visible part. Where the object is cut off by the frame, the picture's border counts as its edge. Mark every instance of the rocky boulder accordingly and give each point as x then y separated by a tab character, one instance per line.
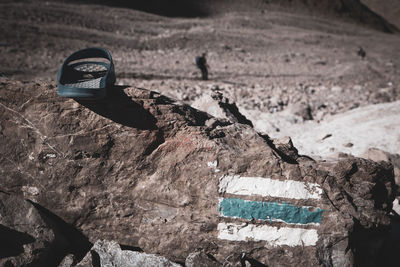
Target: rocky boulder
147	172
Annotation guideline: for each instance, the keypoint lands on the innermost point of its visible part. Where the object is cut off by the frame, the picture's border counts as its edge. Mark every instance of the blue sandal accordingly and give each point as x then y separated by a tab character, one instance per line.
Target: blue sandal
86	79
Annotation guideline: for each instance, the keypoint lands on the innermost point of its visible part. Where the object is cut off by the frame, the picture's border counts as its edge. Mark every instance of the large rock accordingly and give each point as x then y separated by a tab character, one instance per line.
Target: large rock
146	172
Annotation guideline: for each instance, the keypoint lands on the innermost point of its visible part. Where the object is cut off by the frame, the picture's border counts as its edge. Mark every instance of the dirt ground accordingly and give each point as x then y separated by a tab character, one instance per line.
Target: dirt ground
271	60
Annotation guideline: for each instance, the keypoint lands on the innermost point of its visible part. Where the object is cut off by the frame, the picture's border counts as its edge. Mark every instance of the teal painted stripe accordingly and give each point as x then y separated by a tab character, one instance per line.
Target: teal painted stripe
239	208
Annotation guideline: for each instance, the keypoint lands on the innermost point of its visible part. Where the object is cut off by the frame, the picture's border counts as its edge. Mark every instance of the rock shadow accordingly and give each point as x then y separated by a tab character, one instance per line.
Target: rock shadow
152	76
289	156
131	248
253	263
12	242
68	239
120	108
171	8
96	261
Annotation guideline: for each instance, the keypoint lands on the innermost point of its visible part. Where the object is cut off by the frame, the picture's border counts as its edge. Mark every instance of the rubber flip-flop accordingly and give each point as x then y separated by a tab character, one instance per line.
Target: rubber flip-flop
86	79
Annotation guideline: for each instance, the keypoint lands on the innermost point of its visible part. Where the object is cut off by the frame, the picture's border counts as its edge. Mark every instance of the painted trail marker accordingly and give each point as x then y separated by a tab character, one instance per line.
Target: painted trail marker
269	187
297	218
272	211
273	235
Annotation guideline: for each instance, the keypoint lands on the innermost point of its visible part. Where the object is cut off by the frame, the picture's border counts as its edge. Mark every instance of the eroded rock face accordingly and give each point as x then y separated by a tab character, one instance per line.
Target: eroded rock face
146	172
378	155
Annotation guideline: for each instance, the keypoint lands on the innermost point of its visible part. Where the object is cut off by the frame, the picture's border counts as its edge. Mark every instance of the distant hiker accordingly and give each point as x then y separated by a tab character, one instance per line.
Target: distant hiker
361	52
201	63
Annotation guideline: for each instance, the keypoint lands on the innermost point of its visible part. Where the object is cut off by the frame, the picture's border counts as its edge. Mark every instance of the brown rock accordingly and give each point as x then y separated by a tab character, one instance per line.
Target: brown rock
135	168
378	155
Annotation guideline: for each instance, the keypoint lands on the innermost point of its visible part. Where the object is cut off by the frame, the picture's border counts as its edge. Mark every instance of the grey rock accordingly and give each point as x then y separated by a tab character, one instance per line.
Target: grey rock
109	253
68	261
221	107
378	155
302	110
199	259
396	206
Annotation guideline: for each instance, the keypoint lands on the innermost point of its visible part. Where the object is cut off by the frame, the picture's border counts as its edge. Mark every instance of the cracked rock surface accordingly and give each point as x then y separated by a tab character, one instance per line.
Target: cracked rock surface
109	253
144	170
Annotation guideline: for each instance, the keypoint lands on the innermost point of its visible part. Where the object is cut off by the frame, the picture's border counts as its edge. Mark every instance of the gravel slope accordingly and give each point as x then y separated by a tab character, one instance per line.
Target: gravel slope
272	60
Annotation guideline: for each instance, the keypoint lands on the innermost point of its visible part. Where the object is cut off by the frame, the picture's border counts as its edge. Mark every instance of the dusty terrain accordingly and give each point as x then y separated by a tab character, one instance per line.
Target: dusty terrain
267	58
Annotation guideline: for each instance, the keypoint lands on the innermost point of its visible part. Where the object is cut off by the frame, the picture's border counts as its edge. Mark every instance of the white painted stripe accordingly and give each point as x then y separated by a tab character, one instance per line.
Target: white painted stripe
268	187
274	236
